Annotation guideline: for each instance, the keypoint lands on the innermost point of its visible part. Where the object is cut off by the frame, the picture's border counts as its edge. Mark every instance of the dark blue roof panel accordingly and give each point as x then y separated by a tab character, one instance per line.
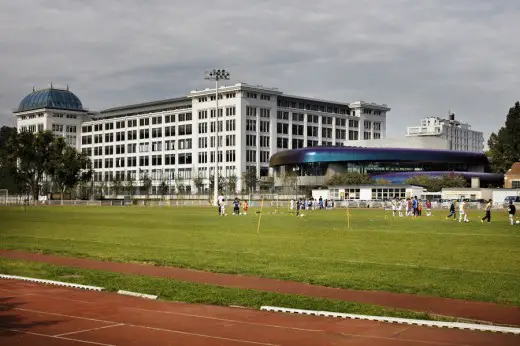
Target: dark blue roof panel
360	154
50	98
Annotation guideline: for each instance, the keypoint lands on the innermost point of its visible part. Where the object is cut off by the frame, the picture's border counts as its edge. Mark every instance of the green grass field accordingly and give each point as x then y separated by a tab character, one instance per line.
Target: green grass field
428	255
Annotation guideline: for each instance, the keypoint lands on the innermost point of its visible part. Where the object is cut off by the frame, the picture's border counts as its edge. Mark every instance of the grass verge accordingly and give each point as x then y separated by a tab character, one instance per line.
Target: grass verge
174	290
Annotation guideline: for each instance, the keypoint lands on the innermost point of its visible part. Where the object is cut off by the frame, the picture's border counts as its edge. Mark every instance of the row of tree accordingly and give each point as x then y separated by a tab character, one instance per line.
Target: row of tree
27	159
42	163
504	146
428	182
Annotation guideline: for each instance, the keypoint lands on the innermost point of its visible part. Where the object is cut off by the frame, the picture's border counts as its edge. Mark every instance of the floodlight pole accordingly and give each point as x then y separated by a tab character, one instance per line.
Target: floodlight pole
216	75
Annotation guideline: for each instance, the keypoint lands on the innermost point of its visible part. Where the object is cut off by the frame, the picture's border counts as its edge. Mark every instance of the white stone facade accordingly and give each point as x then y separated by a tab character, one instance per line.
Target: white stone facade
460	136
174	140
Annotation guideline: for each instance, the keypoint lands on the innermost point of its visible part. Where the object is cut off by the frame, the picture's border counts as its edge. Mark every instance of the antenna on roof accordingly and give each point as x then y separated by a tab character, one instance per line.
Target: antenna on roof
67	87
33	89
51	84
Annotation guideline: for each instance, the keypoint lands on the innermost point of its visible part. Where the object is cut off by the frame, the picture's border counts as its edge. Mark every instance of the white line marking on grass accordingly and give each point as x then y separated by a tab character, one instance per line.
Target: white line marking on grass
427	323
91	329
226	320
51	282
146	327
56	337
136	294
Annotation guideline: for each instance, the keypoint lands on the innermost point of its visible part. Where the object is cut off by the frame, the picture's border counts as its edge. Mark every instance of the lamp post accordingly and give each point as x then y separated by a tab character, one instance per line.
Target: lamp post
216	75
296	170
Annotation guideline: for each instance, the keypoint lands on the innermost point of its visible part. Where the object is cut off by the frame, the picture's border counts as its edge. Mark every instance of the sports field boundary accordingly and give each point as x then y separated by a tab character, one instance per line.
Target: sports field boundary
427	323
51	282
471	310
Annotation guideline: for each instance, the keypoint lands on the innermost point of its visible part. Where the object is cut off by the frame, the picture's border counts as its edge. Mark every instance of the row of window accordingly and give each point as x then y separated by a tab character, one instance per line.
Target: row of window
170	159
229	95
313	106
120	124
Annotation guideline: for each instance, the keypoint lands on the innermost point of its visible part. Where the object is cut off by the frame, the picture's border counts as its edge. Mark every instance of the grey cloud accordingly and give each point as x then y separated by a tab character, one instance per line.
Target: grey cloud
421	57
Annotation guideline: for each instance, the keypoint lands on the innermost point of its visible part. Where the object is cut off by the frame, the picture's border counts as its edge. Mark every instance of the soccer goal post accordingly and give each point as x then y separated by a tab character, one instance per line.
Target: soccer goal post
4	196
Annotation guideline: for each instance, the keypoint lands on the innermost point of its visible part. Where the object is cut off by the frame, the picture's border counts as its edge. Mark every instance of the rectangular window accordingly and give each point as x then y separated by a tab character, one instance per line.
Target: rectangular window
169	159
109	137
144	134
157	132
251	140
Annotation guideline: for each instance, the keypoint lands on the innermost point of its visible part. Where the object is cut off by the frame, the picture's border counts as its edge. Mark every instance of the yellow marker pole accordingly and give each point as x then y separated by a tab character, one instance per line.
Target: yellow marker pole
348	215
260	216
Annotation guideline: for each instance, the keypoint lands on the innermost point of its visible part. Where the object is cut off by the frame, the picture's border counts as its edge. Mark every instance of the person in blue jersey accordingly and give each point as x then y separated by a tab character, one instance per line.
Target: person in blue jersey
236	206
415	206
452	211
512	211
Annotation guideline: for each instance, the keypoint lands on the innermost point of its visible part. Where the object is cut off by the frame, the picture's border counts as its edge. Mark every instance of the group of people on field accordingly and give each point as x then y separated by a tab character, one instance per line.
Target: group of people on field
310	204
221	204
463	212
413	207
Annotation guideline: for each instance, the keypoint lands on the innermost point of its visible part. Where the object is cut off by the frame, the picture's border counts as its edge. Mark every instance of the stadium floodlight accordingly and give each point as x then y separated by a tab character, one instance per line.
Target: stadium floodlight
216	75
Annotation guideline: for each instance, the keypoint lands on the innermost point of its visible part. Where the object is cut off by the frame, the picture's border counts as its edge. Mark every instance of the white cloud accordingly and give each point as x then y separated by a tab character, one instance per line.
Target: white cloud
421	57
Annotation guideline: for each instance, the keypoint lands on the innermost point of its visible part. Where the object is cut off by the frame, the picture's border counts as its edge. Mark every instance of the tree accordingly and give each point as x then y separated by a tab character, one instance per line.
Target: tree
147	184
232	183
163	189
350	178
198	181
251	180
267	183
34	155
7	165
130	185
289	179
222	183
117	185
68	167
435	184
504	146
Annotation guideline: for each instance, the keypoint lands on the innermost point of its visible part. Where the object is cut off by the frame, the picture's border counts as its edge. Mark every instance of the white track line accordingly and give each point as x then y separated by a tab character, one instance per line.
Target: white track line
56	337
226	320
424	323
51	282
91	329
147	327
45	295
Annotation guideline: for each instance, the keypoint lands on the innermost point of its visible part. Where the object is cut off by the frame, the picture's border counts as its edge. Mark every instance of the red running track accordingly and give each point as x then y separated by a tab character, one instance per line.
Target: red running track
494	313
33	314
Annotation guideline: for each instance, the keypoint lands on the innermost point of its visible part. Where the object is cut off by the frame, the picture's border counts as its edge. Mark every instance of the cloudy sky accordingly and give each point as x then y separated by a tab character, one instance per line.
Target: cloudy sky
421	57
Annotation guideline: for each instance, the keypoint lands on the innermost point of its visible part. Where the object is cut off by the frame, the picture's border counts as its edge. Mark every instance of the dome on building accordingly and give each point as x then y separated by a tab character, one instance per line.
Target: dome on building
51	98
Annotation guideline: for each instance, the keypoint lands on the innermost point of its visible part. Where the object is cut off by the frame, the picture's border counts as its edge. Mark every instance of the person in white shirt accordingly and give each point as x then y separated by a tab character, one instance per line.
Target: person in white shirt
400	207
220	203
292	204
463	211
394	207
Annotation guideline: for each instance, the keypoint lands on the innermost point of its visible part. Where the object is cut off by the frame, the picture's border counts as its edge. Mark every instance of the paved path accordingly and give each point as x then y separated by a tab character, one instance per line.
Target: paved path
32	314
499	314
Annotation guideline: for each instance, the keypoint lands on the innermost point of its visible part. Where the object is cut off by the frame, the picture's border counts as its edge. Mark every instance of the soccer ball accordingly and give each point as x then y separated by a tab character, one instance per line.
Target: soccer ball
518	222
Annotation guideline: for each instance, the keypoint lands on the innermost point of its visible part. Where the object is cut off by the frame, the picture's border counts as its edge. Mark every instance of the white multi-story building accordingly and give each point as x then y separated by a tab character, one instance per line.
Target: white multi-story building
460	136
173	140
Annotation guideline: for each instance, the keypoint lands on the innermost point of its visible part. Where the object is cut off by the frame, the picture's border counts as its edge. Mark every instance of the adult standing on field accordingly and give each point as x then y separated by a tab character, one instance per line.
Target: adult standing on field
488	212
220	202
512	212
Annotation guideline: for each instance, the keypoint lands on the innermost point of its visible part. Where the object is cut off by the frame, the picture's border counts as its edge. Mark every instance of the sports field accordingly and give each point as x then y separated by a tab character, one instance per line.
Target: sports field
427	255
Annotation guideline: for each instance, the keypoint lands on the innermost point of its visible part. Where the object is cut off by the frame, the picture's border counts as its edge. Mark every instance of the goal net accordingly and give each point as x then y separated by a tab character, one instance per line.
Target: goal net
4	196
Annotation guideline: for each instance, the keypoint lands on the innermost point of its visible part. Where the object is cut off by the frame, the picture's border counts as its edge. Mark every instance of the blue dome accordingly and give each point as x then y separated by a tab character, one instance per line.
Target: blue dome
51	98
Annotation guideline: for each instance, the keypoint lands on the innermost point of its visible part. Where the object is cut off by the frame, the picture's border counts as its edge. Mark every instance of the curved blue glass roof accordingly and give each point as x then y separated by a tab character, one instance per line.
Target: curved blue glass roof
359	154
50	98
